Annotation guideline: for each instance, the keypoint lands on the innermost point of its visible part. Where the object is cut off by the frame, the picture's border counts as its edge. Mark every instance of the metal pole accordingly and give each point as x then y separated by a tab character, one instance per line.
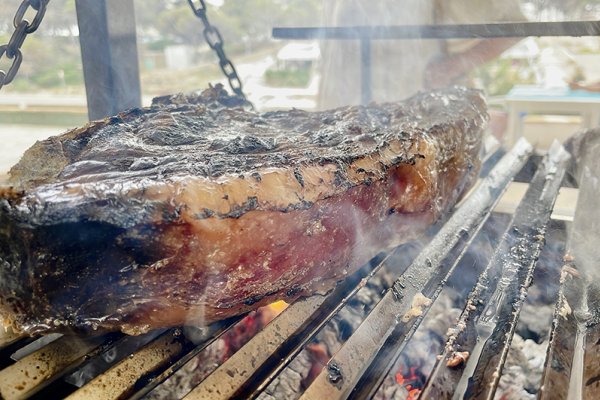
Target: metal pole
109	56
365	71
473	31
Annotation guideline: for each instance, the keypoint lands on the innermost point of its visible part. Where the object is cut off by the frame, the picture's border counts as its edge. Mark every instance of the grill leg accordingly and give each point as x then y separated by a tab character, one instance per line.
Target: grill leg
109	56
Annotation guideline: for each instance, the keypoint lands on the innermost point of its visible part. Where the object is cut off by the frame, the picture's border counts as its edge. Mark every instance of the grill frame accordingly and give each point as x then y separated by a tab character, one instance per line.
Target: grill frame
168	351
563	330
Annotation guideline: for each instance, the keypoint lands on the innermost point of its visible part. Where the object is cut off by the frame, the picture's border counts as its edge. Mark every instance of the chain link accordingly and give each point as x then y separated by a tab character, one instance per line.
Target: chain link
215	42
12	50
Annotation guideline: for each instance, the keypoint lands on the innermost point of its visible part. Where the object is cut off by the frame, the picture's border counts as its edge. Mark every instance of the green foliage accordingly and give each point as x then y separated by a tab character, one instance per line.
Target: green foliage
499	76
52	60
49	63
573	9
248	23
159	45
287	77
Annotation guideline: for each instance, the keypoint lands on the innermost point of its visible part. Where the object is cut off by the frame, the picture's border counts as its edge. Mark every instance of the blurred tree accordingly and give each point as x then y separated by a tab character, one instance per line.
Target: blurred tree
59	20
51	56
237	20
571	9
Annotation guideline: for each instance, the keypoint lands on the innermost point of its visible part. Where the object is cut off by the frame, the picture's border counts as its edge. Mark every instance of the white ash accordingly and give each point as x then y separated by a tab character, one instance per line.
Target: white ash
191	374
391	390
522	372
535	322
422	350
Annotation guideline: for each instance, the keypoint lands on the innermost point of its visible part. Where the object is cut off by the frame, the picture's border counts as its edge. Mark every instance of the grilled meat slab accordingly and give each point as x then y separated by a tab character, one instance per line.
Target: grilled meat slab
194	210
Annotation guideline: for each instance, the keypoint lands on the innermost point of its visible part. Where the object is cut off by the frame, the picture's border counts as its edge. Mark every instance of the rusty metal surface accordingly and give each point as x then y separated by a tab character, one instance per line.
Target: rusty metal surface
119	381
405	301
7	337
34	371
486	326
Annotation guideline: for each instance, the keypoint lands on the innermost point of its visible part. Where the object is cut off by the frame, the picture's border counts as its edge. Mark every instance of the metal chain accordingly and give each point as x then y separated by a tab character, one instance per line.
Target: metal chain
215	42
12	50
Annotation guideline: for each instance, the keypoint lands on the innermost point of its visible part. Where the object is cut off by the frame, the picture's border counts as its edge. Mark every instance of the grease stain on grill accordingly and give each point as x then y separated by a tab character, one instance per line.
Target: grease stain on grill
397	289
335	375
293	291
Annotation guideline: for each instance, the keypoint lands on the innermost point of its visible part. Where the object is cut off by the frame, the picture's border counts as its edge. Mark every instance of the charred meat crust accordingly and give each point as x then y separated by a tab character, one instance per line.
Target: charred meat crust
190	212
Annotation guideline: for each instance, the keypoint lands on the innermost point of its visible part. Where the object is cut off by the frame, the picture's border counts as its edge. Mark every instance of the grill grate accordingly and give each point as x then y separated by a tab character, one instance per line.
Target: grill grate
365	359
571	372
488	322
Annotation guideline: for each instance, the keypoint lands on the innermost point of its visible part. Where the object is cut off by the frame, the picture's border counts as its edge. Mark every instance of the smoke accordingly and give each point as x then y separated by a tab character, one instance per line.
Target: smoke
584	233
401	67
394	62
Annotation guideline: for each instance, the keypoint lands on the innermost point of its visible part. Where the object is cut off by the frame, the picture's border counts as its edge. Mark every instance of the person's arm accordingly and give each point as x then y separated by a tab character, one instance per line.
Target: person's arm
590	87
448	69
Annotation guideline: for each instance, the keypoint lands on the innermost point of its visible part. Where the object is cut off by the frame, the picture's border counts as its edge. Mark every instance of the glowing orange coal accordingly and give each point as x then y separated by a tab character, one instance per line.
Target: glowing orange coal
249	326
410	381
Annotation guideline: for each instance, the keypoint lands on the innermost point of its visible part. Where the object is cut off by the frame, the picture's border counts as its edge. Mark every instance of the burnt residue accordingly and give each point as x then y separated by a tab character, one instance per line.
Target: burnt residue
256	176
54	255
299	177
398	290
252	300
250	204
293	291
335	375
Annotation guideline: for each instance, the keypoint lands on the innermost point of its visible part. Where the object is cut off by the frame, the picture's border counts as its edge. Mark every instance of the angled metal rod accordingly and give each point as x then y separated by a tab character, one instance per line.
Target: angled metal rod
395	344
120	379
462	31
572	367
486	326
405	300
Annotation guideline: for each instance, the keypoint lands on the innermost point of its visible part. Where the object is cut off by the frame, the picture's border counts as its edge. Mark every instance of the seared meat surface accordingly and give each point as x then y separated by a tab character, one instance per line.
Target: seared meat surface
194	210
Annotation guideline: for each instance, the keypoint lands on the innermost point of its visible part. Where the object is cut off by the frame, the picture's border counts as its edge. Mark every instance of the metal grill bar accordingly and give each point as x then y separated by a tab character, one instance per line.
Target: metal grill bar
405	301
109	56
142	371
256	364
11	347
462	31
159	375
120	380
38	369
569	371
488	321
7	338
